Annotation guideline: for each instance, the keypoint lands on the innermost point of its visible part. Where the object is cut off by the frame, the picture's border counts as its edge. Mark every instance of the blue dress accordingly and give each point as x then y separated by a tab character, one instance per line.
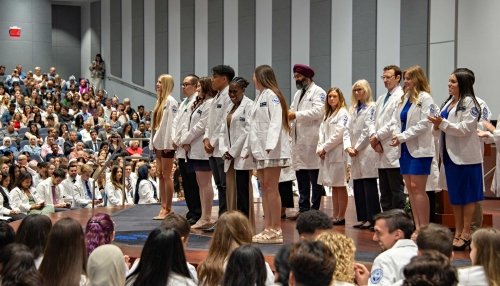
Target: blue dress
465	182
407	163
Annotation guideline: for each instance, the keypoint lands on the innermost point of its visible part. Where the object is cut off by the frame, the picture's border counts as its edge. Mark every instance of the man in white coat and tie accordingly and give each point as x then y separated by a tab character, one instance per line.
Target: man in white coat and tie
305	115
390	180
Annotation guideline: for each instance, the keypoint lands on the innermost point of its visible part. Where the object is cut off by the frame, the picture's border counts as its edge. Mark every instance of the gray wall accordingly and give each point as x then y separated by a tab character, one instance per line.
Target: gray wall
66	40
215	34
364	41
282	15
33	48
320	45
161	40
138	42
115	59
95	26
246	42
187	37
414	33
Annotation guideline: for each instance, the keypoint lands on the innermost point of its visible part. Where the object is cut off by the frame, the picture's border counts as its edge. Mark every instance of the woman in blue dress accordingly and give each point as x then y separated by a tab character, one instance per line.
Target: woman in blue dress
460	150
417	144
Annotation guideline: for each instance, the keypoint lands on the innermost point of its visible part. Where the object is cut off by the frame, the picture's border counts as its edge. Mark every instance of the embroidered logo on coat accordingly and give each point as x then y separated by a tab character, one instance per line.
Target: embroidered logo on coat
276	100
199	111
322	97
376	276
486	113
242	119
474	112
174	109
344	120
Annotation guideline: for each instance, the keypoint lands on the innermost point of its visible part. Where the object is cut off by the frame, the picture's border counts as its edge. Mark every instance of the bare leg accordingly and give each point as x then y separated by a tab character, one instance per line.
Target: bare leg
166	177
342	199
468	213
204	179
458	214
335	203
418	199
272	196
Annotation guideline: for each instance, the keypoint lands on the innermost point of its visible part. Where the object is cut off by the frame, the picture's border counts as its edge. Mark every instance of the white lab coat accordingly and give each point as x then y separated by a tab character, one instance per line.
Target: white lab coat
364	165
80	198
495	184
20	201
232	140
472	276
180	119
266	131
115	195
5	211
388	266
146	193
194	129
331	139
304	132
44	191
216	119
383	120
161	139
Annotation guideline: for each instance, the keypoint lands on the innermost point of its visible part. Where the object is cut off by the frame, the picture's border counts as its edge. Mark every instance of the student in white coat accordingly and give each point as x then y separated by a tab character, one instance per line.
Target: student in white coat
390	180
197	157
305	115
221	77
233	133
330	150
363	157
145	191
161	135
413	132
463	171
82	189
115	189
50	191
269	144
25	199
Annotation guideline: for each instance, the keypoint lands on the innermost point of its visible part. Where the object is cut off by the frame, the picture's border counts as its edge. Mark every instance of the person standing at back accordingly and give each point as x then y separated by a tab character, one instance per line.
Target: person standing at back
305	114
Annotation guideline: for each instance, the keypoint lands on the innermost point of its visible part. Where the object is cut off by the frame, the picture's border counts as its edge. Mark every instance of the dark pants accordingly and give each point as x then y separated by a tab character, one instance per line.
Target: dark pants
217	166
366	198
191	191
16	217
432	206
286	194
392	186
305	180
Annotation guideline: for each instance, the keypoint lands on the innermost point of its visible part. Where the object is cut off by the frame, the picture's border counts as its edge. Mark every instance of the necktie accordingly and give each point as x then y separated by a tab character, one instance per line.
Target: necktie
54	196
386	98
155	194
87	187
129	186
95	147
302	94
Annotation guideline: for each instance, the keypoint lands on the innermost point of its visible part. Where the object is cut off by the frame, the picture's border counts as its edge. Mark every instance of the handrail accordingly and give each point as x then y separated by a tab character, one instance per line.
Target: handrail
132	86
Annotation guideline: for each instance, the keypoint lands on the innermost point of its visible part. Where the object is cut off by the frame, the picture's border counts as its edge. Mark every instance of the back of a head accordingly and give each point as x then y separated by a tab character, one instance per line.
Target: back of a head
178	223
99	230
106	266
18	266
435	237
309	222
282	263
246	267
33	232
486	241
7	234
312	263
430	269
343	249
397	219
162	254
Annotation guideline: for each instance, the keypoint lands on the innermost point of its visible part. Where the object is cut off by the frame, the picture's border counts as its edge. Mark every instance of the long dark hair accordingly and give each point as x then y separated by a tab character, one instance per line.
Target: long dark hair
18	266
207	91
142	174
465	79
246	267
162	254
33	232
24	176
99	231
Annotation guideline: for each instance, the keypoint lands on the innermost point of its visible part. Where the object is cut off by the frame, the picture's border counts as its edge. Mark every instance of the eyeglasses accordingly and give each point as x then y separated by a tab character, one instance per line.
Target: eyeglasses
185	84
387	77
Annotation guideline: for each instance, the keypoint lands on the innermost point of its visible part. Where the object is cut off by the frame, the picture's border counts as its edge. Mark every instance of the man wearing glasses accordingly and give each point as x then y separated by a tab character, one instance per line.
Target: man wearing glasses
390	180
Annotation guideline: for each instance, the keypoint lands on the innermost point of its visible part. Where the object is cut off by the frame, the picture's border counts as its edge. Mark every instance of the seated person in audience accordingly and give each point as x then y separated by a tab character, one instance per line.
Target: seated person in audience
311	223
311	264
6	209
134	148
77	151
47	147
24	197
94	143
115	190
145	192
7	145
393	230
83	195
69	145
51	121
17	266
49	110
68	185
246	267
106	267
32	147
282	265
51	191
56	152
7	234
343	249
33	232
85	132
430	268
105	133
100	230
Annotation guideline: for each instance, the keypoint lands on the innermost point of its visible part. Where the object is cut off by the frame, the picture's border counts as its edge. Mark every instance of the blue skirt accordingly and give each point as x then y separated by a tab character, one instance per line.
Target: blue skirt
465	182
413	166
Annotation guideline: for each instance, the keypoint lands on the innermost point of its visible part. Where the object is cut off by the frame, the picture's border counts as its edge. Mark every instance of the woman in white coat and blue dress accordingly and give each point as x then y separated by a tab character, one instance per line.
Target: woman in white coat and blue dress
461	155
239	193
196	156
332	171
268	142
363	158
413	134
164	113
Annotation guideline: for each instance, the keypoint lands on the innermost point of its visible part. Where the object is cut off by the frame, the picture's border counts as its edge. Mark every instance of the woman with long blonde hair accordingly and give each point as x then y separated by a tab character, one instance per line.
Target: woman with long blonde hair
363	157
414	134
161	140
268	142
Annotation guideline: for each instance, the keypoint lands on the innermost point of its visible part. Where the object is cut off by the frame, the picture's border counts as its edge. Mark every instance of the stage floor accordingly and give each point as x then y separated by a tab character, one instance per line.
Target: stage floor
133	224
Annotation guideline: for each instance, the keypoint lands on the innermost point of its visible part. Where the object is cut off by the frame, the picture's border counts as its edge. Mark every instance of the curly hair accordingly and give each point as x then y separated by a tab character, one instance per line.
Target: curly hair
343	250
99	230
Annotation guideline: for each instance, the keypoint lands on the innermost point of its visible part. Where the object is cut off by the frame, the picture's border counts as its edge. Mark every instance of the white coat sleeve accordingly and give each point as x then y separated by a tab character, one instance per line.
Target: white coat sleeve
237	147
222	138
198	128
465	127
146	192
113	199
421	126
338	135
275	122
364	139
42	194
17	201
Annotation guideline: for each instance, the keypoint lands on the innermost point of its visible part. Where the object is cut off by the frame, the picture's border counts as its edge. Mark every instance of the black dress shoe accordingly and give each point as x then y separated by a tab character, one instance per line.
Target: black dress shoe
339	222
464	246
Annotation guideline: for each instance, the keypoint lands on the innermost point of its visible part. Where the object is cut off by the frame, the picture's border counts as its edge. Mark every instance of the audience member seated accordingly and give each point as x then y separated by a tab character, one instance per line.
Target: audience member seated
100	230
56	152
51	191
168	268
134	148
94	143
115	190
33	232
7	234
311	264
7	145
146	191
106	267
84	185
282	265
65	258
17	266
430	268
311	223
6	209
32	147
246	267
343	249
24	197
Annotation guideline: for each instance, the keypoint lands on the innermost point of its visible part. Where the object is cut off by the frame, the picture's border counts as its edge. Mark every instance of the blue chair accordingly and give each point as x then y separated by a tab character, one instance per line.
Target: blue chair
23	143
36	158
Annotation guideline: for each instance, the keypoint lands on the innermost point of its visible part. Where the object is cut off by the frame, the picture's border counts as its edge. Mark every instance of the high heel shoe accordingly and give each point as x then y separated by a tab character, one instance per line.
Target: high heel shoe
464	246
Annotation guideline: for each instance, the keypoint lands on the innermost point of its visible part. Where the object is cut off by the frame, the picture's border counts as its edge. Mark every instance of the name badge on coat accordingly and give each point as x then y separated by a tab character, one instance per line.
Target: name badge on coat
262	104
219	105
